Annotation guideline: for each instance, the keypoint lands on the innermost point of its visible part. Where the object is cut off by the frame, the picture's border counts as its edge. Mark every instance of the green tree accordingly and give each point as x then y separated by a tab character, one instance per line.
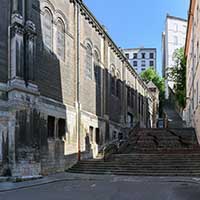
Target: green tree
177	74
151	75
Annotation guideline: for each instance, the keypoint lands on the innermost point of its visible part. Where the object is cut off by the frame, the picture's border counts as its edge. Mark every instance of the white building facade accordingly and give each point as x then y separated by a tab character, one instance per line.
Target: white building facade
172	38
141	58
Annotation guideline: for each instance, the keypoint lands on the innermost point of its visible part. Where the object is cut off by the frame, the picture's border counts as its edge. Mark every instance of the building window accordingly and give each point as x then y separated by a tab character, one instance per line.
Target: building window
132	98
114	136
118	88
97	69
87	142
48	29
97	136
130	119
151	55
175	27
143	69
51	126
139	104
127	55
112	85
20	7
91	133
142	105
143	55
135	63
61	128
113	81
135	55
151	63
60	39
120	136
128	96
175	40
88	62
143	63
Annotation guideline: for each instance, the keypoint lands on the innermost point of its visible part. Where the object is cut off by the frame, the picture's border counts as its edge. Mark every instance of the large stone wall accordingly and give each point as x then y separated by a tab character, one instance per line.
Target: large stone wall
55	107
55	77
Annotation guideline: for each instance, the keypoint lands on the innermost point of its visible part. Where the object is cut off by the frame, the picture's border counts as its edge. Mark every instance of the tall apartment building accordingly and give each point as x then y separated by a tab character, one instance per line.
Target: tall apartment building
172	38
141	58
192	53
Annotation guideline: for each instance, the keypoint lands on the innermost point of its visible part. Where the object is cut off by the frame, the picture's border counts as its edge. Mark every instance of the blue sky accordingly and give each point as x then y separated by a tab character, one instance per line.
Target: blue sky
136	23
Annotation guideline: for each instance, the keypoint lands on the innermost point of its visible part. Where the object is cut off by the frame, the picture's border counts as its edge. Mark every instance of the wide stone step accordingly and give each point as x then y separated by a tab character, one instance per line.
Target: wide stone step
132	164
151	157
148	149
136	168
158	154
142	163
147	165
148	159
187	163
133	160
151	152
136	173
156	159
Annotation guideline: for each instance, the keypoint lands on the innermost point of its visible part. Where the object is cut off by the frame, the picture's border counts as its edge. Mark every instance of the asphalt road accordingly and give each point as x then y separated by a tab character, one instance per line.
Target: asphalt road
110	188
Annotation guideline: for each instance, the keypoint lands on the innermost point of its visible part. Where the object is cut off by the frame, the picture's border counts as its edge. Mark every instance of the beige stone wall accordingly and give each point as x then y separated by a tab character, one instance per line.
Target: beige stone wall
193	71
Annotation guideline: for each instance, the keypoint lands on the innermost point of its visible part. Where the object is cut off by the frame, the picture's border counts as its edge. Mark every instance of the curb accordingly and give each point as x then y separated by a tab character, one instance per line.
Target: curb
19	179
15	188
36	184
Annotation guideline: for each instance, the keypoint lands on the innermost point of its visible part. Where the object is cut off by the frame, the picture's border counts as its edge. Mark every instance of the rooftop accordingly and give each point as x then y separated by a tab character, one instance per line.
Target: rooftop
142	48
176	18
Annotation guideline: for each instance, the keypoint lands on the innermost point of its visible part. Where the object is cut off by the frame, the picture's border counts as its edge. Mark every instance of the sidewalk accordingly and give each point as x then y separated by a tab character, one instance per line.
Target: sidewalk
61	177
12	184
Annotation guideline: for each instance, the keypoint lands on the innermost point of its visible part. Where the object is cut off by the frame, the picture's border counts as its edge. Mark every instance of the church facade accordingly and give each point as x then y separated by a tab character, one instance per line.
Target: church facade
66	89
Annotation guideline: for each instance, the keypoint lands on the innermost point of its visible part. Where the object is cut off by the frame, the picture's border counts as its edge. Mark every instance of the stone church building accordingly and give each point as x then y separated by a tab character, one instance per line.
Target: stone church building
66	89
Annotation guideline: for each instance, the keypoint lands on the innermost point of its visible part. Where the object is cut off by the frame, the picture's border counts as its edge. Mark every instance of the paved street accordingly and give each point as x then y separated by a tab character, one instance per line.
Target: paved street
88	187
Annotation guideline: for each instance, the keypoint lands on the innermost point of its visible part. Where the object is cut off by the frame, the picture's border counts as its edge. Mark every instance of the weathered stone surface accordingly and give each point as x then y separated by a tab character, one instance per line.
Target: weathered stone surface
4	21
51	114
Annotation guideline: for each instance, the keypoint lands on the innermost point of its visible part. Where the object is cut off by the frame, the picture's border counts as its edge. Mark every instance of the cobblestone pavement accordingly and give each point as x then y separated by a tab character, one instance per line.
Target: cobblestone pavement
108	187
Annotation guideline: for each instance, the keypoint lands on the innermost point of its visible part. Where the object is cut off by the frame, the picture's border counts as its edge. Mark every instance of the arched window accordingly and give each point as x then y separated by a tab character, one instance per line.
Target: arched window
60	39
97	68
128	95
113	81
132	96
118	86
48	29
88	62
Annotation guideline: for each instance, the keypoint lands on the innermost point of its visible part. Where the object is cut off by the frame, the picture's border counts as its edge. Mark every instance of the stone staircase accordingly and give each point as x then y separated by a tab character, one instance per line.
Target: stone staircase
161	140
150	152
174	119
143	165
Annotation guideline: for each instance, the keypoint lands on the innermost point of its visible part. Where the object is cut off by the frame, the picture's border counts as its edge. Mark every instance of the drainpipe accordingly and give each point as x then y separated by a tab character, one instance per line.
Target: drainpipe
78	80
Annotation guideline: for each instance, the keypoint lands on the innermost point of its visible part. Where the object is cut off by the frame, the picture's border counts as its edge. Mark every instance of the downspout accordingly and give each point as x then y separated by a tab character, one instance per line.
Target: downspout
78	81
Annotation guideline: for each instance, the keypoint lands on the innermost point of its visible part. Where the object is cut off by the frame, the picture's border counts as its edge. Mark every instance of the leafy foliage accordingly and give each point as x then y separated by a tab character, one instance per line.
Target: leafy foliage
151	75
178	75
